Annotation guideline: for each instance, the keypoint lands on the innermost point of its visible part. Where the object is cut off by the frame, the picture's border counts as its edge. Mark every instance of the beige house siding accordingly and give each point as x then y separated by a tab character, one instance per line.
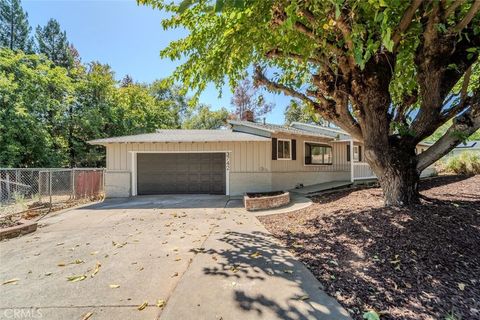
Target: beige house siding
250	163
251	166
244	156
287	174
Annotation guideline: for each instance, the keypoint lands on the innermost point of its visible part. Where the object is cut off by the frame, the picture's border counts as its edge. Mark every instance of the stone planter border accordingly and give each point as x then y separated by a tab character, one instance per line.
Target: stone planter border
265	202
25	226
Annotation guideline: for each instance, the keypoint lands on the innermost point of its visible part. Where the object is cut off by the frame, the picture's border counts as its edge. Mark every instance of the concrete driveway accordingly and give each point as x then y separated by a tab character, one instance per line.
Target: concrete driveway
206	258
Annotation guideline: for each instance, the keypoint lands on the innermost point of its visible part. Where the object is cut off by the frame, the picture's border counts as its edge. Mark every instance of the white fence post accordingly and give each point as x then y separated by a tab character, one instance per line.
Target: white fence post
352	165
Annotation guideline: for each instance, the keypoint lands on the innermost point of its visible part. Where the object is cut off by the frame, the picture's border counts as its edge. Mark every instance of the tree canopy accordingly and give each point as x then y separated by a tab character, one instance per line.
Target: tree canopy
53	43
388	72
298	111
14	27
48	112
247	97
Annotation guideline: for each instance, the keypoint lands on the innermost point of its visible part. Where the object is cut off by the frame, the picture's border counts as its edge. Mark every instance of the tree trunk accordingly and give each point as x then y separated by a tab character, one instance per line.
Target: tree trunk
400	186
397	174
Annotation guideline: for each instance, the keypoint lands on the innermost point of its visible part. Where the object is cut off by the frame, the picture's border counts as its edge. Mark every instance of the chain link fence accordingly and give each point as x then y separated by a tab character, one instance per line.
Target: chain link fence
22	190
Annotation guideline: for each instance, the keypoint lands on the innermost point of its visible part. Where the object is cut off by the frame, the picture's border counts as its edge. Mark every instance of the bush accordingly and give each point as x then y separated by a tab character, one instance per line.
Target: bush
463	163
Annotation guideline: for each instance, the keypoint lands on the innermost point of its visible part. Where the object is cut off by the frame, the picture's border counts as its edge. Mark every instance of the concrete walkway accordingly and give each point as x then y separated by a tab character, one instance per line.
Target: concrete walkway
317	188
205	261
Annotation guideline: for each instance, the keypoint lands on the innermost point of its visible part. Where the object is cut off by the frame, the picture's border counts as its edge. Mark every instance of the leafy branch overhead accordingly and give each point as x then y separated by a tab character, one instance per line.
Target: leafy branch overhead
388	72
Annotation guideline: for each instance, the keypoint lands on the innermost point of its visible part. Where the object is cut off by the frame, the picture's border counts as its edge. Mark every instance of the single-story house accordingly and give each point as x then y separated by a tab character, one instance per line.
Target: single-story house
247	157
468	146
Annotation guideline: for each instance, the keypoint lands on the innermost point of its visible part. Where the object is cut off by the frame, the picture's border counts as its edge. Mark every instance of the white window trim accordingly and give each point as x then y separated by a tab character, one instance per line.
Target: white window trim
290	143
319	143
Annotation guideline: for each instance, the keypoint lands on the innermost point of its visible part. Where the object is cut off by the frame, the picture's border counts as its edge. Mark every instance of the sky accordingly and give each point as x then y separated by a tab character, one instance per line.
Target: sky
129	38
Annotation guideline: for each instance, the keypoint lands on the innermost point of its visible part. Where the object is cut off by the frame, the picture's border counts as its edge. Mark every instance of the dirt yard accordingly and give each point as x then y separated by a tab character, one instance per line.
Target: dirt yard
417	263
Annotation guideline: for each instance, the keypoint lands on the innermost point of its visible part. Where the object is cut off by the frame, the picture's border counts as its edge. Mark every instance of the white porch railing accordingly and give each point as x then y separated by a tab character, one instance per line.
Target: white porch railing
361	170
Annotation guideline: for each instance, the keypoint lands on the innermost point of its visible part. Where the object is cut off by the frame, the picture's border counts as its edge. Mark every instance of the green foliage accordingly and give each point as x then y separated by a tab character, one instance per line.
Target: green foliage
227	37
52	42
48	112
14	27
204	118
33	99
297	111
466	162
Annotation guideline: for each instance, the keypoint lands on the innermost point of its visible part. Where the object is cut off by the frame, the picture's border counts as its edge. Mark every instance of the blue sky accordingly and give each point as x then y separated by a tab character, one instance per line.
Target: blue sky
128	37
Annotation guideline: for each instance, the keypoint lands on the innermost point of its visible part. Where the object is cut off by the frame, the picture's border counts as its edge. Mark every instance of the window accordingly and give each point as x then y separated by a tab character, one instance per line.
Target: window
356	153
284	149
317	154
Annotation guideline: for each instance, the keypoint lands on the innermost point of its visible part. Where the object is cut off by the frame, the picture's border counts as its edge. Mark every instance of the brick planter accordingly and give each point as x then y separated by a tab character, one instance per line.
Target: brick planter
24	227
254	202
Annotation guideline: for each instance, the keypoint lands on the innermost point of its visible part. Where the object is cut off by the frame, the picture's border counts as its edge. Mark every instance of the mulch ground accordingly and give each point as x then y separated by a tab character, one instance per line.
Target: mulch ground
421	262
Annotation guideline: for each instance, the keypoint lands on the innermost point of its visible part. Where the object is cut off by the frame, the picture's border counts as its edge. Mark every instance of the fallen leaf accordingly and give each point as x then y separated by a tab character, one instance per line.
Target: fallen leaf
78	261
77	278
61	264
461	286
97	268
178	259
174	275
255	255
48	273
161	303
143	306
87	316
14	281
93	253
113	286
371	315
60	243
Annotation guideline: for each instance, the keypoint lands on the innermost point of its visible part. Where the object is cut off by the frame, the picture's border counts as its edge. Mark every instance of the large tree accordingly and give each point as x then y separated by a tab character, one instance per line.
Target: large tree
388	72
248	97
202	117
299	111
14	27
53	43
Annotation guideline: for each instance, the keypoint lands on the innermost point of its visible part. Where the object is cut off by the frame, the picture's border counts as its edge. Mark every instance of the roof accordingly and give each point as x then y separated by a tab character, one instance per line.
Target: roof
274	128
469	145
331	132
179	135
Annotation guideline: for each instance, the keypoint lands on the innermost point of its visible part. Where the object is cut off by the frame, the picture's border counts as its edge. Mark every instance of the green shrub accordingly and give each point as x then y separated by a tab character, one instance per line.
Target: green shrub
463	163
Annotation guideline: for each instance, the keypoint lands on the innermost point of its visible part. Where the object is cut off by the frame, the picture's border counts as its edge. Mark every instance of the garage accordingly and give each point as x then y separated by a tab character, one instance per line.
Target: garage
177	173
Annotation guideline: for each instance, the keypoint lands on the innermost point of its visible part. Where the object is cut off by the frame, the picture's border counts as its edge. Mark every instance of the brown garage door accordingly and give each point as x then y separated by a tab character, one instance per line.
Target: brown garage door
169	173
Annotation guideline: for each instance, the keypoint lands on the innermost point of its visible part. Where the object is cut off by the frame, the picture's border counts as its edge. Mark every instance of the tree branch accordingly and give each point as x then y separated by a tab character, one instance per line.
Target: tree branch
277	53
468	17
453	7
405	22
261	79
347	35
408	101
464	125
463	104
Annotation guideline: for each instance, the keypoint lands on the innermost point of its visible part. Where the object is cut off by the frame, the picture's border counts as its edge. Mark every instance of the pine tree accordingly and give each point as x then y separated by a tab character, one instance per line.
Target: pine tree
52	42
14	27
